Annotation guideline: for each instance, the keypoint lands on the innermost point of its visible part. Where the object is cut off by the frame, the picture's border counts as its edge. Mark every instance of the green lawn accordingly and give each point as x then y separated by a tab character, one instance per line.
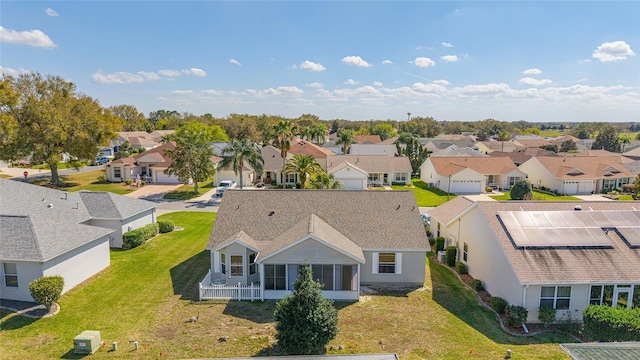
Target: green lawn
89	180
425	196
539	196
185	192
149	293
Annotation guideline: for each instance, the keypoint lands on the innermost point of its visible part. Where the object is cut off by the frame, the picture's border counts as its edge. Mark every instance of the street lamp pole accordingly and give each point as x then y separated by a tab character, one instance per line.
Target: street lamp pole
408	116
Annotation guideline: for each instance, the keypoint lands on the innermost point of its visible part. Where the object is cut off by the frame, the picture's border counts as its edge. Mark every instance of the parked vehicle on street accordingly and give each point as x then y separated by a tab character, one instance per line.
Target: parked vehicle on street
101	160
224	185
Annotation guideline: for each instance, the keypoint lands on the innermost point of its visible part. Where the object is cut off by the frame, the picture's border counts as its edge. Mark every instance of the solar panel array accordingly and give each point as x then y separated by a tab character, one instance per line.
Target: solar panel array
559	229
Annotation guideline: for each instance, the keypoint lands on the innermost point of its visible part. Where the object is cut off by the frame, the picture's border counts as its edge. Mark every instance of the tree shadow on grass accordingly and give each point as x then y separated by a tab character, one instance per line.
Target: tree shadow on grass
450	293
8	322
186	276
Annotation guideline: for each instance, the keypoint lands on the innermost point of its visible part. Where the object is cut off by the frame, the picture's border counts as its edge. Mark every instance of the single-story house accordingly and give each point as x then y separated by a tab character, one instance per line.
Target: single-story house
367	139
577	174
222	174
373	149
470	175
350	238
561	254
150	165
47	232
380	169
487	147
303	147
521	156
272	167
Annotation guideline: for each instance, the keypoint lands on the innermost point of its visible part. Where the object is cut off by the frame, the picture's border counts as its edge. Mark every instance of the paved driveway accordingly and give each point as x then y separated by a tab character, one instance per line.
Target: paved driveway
153	192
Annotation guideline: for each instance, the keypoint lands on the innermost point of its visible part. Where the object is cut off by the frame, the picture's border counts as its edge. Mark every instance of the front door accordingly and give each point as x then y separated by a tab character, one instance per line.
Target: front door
622	296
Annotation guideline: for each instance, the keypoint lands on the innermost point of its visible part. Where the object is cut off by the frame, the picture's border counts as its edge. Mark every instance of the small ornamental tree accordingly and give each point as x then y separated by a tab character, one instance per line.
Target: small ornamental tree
46	290
305	321
521	190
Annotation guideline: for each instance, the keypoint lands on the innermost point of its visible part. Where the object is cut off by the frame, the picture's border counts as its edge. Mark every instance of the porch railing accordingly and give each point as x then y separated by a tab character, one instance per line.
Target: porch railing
212	291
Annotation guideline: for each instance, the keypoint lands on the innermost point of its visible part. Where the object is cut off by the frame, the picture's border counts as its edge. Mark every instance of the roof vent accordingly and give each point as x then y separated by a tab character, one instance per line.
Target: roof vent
50	206
65	195
271	213
577	208
398	208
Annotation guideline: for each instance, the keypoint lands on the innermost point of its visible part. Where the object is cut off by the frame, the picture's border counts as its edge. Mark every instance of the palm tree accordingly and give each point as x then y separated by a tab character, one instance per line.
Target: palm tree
318	133
324	181
284	132
306	133
503	136
240	151
303	166
346	138
624	140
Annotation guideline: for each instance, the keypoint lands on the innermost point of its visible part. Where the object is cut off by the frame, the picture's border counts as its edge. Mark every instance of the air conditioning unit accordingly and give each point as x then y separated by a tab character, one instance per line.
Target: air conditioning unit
87	342
442	256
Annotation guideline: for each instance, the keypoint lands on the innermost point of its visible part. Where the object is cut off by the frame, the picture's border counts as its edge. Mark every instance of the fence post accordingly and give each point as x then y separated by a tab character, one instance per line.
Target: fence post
251	292
199	291
239	292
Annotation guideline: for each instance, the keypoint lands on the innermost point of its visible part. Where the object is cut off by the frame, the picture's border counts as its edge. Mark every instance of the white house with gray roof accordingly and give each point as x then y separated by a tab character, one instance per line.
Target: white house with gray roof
350	238
47	232
561	254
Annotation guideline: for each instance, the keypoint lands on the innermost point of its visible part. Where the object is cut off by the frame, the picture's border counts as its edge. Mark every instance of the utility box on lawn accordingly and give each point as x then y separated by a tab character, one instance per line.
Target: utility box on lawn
87	342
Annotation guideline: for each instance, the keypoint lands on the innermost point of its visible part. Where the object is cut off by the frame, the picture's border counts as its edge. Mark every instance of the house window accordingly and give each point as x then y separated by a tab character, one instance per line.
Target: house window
609	183
223	263
606	295
558	297
236	265
290	179
401	177
465	251
438	233
116	172
345	276
513	180
10	274
275	277
387	263
252	264
324	275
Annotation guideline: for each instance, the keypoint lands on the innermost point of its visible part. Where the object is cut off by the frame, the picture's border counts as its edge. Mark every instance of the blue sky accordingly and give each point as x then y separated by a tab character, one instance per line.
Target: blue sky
356	60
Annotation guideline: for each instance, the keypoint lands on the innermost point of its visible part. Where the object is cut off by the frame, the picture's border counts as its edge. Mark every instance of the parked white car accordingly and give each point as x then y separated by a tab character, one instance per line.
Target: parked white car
224	185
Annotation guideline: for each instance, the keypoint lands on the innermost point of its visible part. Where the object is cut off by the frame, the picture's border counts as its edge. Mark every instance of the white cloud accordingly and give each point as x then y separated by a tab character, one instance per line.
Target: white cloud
50	12
355	61
378	84
423	62
12	72
449	58
281	90
315	85
119	77
534	82
446	44
182	92
351	82
35	38
613	51
151	76
387	62
213	92
533	71
195	72
169	73
311	66
429	88
441	82
235	62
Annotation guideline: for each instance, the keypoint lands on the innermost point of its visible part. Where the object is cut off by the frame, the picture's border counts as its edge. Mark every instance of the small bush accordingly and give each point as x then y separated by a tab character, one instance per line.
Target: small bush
605	323
127	181
143	183
432	242
137	237
46	290
488	189
461	268
451	255
547	315
165	226
498	304
516	315
477	285
439	243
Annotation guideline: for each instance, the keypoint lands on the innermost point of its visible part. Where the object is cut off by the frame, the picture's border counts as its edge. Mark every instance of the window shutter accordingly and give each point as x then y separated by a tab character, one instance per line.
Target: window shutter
216	262
398	263
374	263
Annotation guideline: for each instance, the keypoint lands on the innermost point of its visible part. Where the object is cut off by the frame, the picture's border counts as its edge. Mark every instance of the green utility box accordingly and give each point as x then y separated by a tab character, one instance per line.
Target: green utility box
87	342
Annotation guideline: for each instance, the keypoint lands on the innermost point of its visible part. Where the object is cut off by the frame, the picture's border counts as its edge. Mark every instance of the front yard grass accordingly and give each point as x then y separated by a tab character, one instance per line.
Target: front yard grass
185	192
425	196
89	180
149	293
539	196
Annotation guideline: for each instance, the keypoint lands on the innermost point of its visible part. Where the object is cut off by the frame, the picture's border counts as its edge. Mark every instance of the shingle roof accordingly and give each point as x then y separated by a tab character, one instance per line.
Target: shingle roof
106	205
302	147
558	265
458	151
583	167
371	219
453	208
372	163
367	139
446	166
272	158
533	142
602	351
158	153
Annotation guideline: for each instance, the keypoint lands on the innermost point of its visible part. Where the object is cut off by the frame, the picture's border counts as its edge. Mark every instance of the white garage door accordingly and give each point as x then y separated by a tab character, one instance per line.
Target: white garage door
466	186
571	187
161	177
353	184
585	187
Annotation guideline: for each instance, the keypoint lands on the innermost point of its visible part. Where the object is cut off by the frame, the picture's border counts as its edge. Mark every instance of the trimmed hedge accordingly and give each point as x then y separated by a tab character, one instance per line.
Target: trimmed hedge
461	268
498	304
516	315
439	243
477	285
547	315
46	290
137	237
605	323
165	226
451	255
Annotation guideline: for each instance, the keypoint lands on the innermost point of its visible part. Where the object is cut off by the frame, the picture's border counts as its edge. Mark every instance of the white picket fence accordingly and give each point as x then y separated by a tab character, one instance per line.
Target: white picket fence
212	291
